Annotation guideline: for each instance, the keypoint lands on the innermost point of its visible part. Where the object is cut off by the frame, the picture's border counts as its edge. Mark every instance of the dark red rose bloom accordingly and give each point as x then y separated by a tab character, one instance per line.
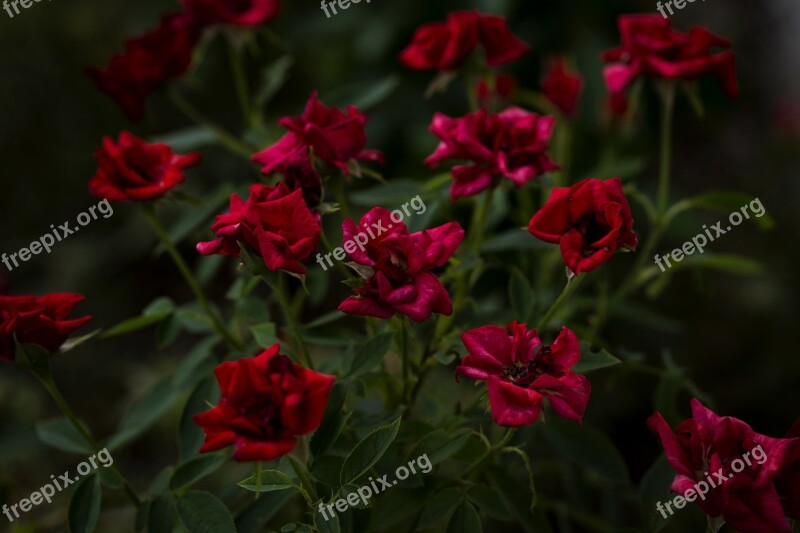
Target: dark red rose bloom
42	320
788	480
500	93
274	222
650	47
446	45
299	173
561	87
267	402
521	371
706	446
147	62
236	12
334	136
134	170
511	144
397	267
590	221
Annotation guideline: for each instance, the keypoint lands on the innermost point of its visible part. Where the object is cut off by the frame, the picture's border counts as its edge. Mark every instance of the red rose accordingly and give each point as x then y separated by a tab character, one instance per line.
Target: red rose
708	446
41	320
590	221
511	144
788	480
147	62
521	372
397	265
134	170
236	12
267	402
299	173
561	87
650	47
274	222
446	45
334	137
500	93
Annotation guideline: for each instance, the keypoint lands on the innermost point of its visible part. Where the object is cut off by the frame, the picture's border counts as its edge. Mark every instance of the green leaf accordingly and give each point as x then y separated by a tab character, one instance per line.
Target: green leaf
390	195
187	139
160	305
593	359
364	95
724	262
60	433
196	469
272	79
33	357
135	324
84	507
270	480
371	354
513	499
145	412
255	517
197	364
191	436
265	334
654	488
202	512
367	452
333	421
513	240
163	514
439	507
326	523
730	201
488	501
520	294
465	520
440	445
587	447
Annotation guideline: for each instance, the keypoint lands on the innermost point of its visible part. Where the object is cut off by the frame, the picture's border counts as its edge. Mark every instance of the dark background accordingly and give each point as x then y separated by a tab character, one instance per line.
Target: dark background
736	335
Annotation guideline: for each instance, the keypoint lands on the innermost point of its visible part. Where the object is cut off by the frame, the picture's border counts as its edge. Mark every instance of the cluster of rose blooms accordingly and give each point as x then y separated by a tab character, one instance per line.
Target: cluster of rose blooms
268	401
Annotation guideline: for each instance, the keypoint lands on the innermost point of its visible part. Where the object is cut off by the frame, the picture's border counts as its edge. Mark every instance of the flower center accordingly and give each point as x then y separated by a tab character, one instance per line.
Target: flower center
524	374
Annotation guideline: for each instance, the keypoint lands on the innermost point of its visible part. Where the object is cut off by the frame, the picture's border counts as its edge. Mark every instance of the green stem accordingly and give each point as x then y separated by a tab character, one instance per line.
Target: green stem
661	218
226	139
509	433
341	198
47	381
477	226
667	107
257	467
169	246
572	284
240	78
279	289
403	347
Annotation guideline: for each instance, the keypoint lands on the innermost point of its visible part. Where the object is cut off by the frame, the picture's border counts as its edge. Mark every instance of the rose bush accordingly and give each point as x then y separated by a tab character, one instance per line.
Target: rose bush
361	367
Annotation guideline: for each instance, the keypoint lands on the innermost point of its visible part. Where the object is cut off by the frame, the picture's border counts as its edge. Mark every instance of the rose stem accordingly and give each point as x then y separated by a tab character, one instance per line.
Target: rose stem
150	213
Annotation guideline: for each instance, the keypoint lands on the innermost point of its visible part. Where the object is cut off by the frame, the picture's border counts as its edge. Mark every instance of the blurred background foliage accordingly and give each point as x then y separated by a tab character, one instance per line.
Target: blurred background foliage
734	335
